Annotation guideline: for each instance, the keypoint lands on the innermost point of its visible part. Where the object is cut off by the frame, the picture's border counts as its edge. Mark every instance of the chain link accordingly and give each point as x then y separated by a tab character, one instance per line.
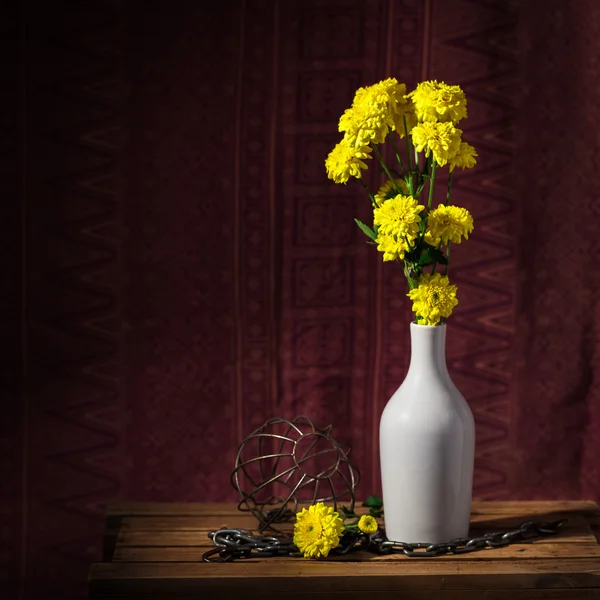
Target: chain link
527	531
231	544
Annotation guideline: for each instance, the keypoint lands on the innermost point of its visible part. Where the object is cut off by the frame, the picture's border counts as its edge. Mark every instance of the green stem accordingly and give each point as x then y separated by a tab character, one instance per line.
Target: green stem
386	169
431	182
439	246
411	284
398	157
408	144
369	192
447	258
411	183
449	187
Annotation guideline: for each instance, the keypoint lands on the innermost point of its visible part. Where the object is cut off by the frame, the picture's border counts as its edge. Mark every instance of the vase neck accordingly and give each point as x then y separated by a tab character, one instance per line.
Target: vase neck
428	349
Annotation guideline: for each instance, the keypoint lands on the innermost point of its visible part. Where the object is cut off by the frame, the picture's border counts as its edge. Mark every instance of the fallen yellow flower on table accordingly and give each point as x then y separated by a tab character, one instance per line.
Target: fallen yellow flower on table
368	524
317	530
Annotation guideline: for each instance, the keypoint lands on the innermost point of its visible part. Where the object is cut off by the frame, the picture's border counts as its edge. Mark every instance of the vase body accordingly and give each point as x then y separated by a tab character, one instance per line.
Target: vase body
427	447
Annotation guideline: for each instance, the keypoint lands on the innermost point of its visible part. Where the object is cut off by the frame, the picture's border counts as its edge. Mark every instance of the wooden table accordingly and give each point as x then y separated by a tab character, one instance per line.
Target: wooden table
154	551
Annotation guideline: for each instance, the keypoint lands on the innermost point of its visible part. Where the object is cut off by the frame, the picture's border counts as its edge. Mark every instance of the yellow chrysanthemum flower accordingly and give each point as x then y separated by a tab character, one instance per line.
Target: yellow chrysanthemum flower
364	125
439	102
368	524
391	247
440	139
375	109
345	161
448	224
317	530
399	216
433	299
464	158
388	190
408	111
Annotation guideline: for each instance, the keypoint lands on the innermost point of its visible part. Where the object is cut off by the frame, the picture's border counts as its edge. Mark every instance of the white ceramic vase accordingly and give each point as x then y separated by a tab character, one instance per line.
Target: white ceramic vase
427	447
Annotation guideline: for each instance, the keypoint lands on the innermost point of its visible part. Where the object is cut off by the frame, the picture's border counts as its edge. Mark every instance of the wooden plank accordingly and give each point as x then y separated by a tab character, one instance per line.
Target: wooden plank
534	506
303	576
594	522
575	529
556	594
479	507
171	508
479	522
563	567
520	551
575	534
237	521
164	539
227	514
116	512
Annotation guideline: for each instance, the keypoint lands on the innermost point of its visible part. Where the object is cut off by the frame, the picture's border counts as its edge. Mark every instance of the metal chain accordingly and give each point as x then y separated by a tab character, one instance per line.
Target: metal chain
231	544
527	531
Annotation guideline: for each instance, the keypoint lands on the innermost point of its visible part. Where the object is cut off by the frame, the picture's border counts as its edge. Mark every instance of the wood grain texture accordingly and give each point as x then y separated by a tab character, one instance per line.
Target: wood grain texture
199	538
283	577
575	523
139	509
158	549
517	551
557	594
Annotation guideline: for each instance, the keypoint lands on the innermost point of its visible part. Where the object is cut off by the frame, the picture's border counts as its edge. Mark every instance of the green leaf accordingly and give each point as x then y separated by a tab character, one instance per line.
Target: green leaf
373	502
412	256
439	257
347	511
426	258
430	255
366	229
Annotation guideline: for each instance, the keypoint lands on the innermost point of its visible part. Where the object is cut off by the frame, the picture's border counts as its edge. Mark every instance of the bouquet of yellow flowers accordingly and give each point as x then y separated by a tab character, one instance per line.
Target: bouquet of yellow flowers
417	235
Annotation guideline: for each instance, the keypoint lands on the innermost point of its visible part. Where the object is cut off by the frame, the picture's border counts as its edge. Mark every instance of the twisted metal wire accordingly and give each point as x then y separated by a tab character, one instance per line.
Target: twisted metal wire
338	480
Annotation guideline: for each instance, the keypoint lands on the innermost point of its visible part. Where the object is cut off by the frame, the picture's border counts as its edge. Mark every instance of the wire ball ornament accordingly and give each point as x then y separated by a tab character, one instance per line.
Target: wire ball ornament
285	464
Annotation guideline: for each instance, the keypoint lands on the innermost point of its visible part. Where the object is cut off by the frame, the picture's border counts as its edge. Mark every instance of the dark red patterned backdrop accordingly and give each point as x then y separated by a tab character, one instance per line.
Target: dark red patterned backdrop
190	271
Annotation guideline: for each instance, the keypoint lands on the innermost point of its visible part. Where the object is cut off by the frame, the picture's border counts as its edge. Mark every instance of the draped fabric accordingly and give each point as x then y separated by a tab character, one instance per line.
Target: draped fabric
189	271
557	409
